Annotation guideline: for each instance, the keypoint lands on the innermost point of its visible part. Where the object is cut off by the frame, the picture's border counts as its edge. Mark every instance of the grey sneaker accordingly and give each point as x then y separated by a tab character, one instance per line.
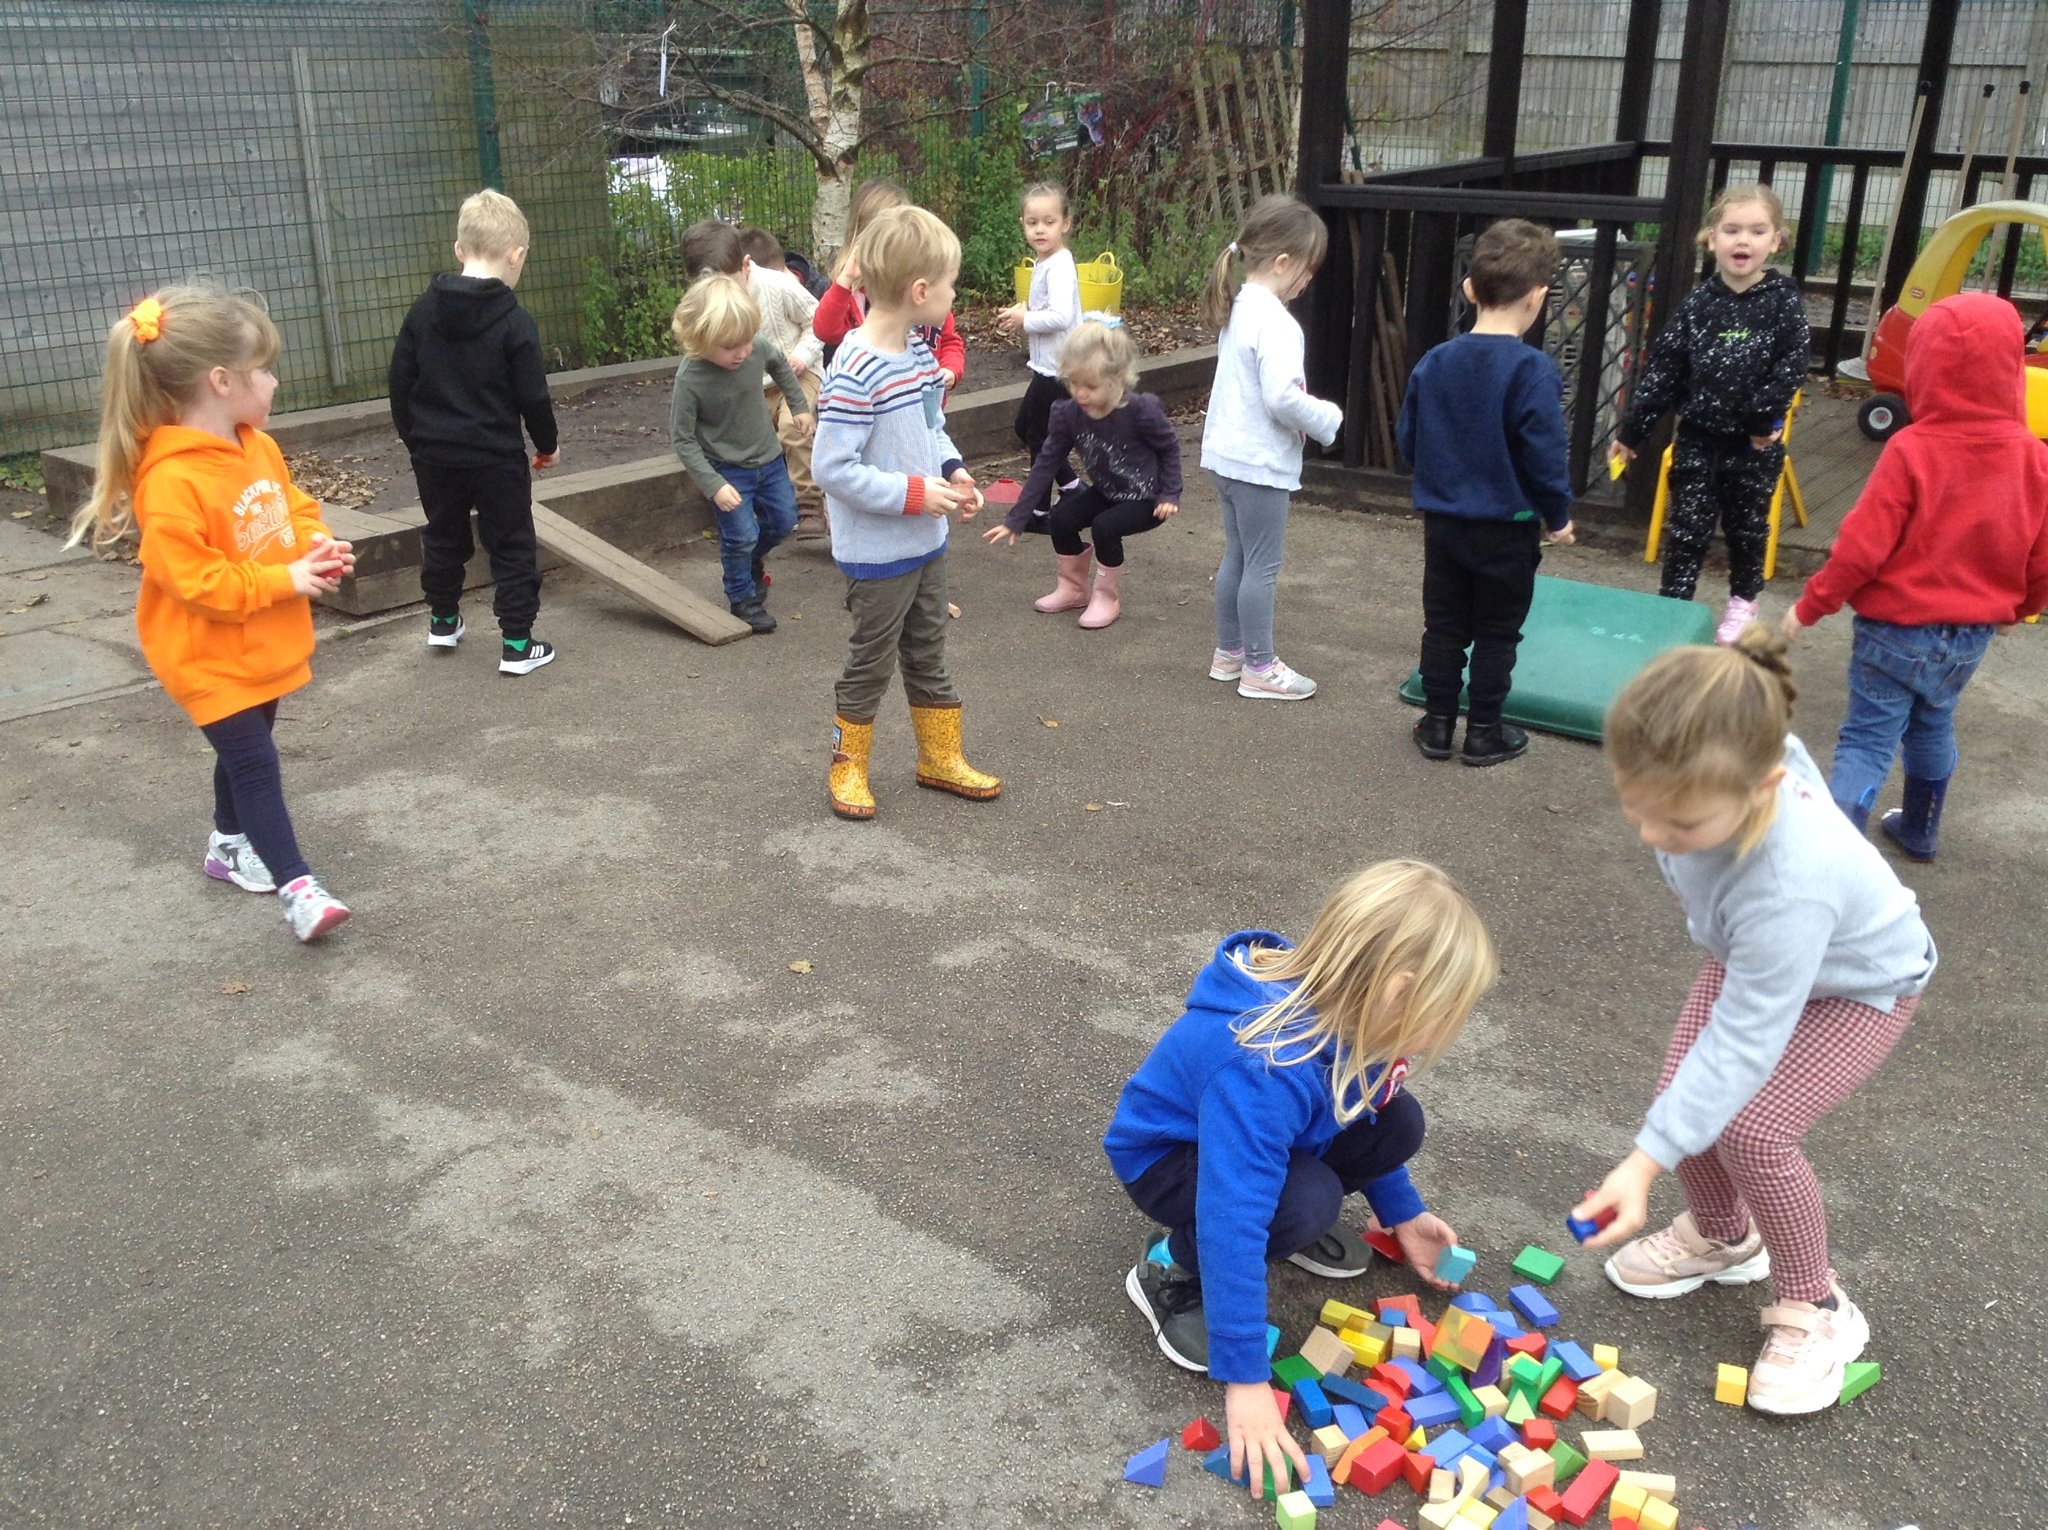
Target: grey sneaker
1806	1350
1681	1258
310	910
1337	1255
1278	683
1171	1300
231	858
1225	664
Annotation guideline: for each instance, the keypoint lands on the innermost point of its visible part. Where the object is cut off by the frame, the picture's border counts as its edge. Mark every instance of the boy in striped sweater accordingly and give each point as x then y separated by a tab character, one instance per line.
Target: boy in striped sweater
891	476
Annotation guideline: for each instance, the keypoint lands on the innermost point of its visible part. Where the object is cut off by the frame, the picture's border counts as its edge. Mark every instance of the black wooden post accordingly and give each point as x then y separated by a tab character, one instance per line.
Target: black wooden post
1504	80
1638	71
1935	47
1325	77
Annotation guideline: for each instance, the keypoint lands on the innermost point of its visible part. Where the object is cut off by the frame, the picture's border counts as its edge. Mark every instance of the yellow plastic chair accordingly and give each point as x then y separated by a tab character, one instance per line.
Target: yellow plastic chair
1787	488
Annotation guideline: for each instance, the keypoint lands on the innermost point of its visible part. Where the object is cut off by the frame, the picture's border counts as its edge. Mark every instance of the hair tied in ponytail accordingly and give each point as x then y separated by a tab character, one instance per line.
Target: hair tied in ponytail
147	317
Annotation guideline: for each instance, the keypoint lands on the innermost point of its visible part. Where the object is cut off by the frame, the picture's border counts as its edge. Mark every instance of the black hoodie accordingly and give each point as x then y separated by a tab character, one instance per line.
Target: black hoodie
1730	362
465	371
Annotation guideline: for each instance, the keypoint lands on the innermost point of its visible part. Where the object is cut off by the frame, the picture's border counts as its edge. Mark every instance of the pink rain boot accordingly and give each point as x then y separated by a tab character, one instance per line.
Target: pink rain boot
1103	605
1072	590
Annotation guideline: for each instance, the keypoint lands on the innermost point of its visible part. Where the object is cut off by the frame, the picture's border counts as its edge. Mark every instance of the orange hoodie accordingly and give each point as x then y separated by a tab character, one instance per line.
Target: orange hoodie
220	624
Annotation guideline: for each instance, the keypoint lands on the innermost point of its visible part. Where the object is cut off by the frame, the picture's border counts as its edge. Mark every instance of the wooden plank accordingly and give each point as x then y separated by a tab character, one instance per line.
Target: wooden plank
1210	158
657	592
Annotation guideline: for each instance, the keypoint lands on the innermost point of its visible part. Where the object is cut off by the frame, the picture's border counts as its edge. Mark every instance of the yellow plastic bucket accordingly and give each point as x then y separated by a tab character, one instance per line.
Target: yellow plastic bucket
1102	283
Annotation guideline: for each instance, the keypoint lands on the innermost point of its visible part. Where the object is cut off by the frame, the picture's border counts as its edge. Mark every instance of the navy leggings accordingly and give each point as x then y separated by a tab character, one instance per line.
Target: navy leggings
1312	1195
248	789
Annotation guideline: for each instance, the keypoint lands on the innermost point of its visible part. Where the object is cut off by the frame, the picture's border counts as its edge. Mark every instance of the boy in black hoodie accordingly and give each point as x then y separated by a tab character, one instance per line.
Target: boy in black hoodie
466	371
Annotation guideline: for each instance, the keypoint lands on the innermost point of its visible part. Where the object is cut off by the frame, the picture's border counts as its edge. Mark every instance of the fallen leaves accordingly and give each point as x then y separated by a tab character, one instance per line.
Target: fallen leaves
37	599
331	483
1049	722
800	966
234	986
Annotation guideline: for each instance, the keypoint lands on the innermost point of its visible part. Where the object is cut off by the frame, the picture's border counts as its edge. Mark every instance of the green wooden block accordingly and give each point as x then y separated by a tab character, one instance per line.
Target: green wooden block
1267	1490
1520	1409
1569	1462
1547	1377
1443	1367
1859	1377
1470	1409
1524	1373
1295	1512
1539	1265
1292	1369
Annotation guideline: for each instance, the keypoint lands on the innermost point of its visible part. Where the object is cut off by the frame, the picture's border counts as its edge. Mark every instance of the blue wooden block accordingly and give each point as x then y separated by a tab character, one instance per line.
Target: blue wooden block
1272	1340
1580	1228
1446	1447
1455	1263
1433	1408
1514	1517
1505	1325
1314	1405
1218	1461
1394	1317
1323	1493
1421	1380
1578	1365
1494	1433
1148	1467
1478	1303
1535	1307
1348	1417
1344	1389
1485	1457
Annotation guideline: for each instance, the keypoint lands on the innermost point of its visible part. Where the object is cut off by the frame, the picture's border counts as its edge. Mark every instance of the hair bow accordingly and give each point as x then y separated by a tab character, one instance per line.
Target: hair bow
148	318
1106	320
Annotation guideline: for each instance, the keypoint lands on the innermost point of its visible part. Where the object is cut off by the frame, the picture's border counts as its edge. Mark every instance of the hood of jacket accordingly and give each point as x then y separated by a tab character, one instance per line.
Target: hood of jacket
1966	366
1227	988
198	453
466	306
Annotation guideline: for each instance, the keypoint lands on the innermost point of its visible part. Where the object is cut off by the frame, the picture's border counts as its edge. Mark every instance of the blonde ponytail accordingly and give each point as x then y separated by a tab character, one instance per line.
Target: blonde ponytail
1220	291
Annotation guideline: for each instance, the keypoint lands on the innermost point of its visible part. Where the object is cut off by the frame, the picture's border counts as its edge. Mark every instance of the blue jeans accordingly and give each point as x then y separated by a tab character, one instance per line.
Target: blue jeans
1904	683
766	515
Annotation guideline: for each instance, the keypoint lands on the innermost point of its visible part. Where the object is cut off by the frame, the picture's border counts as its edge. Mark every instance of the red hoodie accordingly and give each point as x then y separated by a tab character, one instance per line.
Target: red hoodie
841	309
1953	525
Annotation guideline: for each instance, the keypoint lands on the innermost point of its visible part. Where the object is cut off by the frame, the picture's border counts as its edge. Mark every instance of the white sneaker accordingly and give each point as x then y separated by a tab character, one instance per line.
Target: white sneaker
310	909
1806	1350
1276	684
1736	615
1225	665
231	858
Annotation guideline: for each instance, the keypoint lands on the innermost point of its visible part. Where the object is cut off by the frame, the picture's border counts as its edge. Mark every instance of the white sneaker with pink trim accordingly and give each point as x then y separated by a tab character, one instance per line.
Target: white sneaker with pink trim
1736	615
1806	1350
1680	1259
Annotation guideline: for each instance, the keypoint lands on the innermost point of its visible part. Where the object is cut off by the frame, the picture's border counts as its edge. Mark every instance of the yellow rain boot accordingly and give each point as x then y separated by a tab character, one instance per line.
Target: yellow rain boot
848	780
939	763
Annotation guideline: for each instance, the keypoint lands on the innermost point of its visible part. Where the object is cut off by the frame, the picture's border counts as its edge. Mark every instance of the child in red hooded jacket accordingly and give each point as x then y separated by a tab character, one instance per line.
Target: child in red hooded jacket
1948	543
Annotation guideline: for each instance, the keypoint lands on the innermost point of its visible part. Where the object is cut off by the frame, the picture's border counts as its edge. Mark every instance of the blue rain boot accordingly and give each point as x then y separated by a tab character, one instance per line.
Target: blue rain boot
1916	827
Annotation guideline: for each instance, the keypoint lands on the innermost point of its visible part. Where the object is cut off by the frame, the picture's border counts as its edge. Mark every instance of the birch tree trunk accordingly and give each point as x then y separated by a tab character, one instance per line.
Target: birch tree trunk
834	84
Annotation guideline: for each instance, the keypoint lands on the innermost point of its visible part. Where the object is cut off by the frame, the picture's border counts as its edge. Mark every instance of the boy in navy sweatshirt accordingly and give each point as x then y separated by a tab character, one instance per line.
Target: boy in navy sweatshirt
1483	428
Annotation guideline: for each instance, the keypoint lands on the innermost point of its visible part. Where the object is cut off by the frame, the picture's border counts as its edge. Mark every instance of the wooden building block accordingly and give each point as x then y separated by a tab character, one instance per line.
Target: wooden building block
1492	1399
1526	1468
1200	1435
1593	1394
1631	1402
1588	1488
1658	1514
1443	1487
1625	1502
1294	1511
1539	1265
1612	1445
1731	1384
1407	1344
1539	1434
1859	1377
1335	1314
1330	1442
1654	1484
1371	1344
1330	1355
1462	1337
1607	1357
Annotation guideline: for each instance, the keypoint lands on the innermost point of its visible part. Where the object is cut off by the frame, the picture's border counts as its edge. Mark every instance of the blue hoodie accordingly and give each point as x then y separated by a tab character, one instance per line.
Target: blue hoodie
1247	1113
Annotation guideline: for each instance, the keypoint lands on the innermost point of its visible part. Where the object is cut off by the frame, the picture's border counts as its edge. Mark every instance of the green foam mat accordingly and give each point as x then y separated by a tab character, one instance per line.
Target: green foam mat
1581	644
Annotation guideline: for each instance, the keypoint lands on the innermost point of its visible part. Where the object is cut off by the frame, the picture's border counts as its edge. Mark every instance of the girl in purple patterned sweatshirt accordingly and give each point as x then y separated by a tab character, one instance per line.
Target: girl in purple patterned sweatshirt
1133	459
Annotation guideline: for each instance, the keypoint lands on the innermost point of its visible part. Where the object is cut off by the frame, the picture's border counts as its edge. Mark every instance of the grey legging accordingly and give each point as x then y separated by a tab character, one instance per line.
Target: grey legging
1254	525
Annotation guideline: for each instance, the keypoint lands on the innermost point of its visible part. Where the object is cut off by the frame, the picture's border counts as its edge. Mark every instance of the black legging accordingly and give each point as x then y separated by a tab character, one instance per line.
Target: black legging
1725	480
1111	520
248	789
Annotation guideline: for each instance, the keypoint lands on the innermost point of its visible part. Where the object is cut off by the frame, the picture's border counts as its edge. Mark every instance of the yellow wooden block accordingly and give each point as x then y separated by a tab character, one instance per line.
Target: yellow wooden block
1492	1399
1658	1515
1368	1346
1407	1344
1607	1357
1654	1484
1731	1384
1477	1514
1625	1503
1416	1440
1330	1443
1336	1314
1612	1445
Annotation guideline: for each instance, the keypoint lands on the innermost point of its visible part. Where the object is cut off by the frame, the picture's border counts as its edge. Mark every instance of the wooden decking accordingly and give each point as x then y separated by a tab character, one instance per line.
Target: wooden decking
1833	459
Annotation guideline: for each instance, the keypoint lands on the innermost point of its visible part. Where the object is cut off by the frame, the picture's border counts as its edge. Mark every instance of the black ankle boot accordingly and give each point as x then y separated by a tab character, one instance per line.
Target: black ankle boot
1433	736
754	614
1491	743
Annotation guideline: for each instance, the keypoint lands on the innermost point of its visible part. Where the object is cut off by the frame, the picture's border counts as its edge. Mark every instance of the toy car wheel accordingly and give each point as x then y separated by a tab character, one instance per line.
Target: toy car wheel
1882	416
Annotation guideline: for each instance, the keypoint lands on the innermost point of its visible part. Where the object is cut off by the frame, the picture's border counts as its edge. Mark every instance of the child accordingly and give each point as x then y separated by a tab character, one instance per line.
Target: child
231	552
1046	317
1816	960
845	305
1277	1093
466	370
719	424
1133	457
712	244
787	309
1730	361
1948	541
1483	427
1259	410
890	475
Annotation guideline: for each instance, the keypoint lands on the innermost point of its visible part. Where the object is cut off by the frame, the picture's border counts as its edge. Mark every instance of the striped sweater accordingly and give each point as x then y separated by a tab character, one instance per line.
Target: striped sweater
881	433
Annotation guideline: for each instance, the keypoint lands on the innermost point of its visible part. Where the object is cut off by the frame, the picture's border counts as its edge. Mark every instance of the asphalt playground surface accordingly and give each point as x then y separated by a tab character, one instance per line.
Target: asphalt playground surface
654	1149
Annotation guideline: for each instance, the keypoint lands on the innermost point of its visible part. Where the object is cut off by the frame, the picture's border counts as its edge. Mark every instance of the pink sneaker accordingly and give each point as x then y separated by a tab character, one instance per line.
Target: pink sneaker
1806	1351
1226	664
1681	1258
1736	615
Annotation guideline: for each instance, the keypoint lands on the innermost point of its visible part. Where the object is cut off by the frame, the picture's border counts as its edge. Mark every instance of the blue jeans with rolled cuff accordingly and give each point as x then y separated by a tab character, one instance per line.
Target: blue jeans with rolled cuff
1904	683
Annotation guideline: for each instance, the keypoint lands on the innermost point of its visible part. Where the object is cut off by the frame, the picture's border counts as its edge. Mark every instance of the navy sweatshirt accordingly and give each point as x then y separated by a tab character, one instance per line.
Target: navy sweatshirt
1483	428
1729	362
1133	452
1247	1113
466	371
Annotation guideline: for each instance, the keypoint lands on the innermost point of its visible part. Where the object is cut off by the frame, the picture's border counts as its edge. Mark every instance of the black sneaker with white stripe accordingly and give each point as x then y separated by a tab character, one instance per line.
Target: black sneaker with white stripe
1338	1254
1171	1300
445	631
524	656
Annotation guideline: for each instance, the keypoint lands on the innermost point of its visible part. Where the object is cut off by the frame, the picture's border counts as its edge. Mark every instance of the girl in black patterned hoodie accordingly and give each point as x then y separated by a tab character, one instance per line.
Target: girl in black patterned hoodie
1730	361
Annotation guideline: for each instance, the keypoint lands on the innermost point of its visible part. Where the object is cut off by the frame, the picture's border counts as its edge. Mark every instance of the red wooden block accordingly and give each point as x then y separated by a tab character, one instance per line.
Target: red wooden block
1584	1493
1409	1305
1427	1329
1531	1344
1539	1434
1416	1469
1284	1400
1378	1239
1546	1502
1378	1467
1395	1420
1388	1378
1559	1401
1386	1524
1200	1435
1387	1396
1626	1524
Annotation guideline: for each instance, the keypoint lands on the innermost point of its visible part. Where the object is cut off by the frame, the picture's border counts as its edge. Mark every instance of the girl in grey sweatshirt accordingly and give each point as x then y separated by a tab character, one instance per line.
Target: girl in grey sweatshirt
1816	958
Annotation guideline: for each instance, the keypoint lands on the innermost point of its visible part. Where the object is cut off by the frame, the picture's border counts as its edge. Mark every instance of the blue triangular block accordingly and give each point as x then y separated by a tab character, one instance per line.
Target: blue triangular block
1148	1467
1514	1517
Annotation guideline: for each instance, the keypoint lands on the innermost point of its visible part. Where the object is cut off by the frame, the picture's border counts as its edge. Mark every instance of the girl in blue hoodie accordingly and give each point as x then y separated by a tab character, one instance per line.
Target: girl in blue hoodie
1276	1094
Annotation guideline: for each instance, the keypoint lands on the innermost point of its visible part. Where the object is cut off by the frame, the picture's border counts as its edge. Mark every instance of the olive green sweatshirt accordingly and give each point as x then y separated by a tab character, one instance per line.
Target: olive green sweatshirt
719	416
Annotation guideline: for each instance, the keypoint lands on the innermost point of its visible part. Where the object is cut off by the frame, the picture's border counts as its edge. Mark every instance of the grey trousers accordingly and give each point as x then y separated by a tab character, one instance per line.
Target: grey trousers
1254	524
901	619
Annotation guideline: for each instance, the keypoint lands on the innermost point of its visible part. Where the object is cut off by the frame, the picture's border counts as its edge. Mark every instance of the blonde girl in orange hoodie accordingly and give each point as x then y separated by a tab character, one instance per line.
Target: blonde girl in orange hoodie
232	553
